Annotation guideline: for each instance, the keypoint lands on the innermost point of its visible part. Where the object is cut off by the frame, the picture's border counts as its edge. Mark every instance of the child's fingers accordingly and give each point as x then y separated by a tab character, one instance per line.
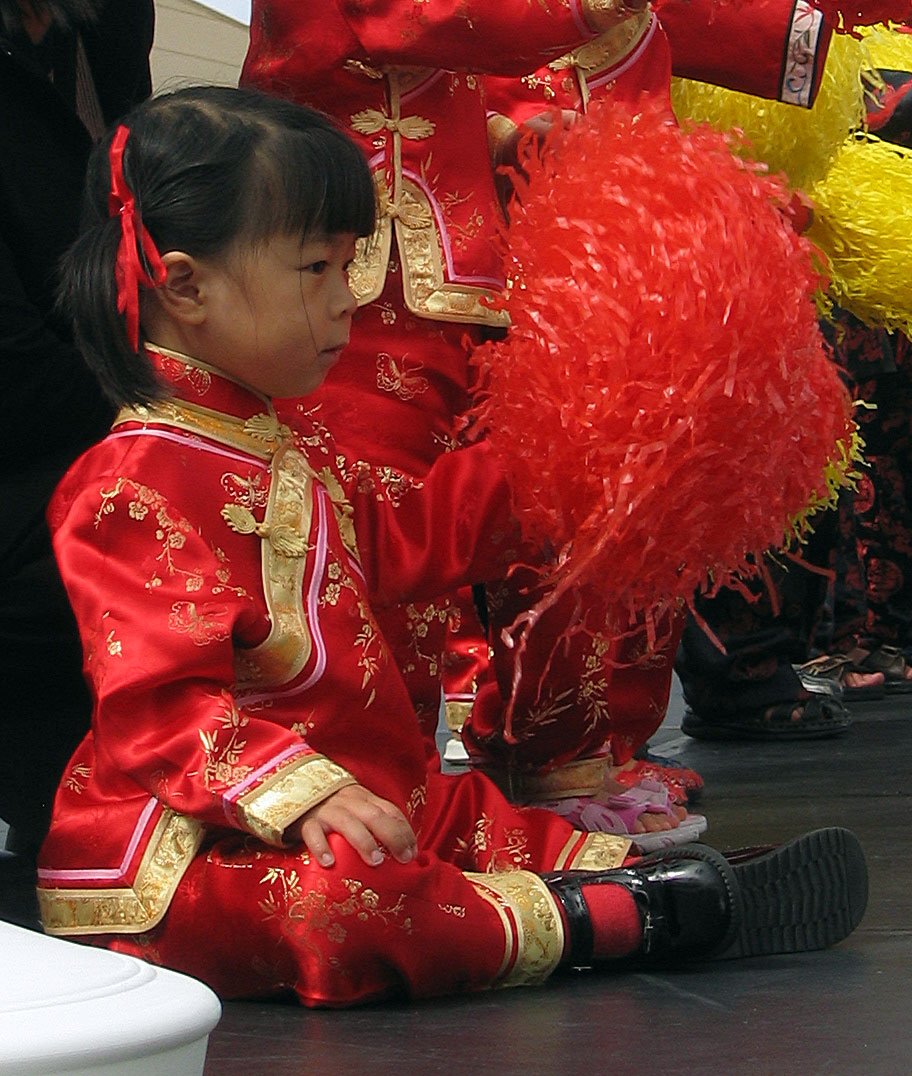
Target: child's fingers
314	839
390	828
348	824
367	823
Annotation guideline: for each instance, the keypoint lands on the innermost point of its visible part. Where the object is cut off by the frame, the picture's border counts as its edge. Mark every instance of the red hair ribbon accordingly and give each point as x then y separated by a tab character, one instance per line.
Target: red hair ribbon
131	271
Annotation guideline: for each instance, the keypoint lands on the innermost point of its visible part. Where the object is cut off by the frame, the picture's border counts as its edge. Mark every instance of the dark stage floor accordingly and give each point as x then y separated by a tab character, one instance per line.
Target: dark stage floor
842	1011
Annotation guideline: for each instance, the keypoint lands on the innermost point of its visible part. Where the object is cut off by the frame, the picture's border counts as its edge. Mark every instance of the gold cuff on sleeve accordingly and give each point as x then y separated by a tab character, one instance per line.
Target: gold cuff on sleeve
270	808
605	14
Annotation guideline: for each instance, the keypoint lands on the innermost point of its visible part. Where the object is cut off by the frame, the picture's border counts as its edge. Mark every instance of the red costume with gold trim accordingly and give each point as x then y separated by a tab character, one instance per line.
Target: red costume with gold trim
405	81
240	678
602	699
774	49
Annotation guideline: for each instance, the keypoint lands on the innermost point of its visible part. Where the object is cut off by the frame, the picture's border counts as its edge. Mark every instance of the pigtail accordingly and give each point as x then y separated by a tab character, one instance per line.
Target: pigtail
101	277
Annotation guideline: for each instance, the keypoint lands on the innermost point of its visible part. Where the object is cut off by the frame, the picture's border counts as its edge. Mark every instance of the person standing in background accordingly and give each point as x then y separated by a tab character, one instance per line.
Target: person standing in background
68	68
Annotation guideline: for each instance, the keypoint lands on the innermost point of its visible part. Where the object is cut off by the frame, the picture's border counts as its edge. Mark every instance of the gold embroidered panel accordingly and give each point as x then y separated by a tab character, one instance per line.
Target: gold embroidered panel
129	909
533	928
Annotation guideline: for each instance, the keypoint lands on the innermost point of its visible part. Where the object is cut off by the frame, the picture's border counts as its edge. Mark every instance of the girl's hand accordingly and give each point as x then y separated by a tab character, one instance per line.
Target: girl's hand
366	821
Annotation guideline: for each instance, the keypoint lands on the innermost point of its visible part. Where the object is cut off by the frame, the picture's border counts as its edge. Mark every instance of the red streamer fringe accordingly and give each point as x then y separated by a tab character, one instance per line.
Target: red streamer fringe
663	402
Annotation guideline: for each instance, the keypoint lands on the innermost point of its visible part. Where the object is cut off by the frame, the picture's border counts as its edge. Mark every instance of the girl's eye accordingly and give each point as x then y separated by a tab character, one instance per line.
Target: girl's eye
315	267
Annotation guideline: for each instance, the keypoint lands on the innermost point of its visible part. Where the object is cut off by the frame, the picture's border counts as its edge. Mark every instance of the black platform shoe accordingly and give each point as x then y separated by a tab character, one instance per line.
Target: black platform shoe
696	905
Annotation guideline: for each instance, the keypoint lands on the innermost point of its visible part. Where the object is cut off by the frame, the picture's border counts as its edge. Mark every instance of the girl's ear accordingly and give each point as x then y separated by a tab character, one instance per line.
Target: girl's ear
182	296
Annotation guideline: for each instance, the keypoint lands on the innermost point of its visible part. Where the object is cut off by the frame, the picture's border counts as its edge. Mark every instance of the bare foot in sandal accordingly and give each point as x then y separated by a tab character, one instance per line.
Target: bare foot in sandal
642	814
649	821
862	681
813	717
843	669
887	661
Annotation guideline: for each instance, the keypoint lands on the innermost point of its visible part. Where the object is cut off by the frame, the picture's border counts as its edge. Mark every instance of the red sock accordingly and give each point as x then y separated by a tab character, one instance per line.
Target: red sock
617	929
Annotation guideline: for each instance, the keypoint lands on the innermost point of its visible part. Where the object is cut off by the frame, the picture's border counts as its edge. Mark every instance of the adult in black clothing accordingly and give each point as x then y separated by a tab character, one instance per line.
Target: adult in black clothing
751	690
68	68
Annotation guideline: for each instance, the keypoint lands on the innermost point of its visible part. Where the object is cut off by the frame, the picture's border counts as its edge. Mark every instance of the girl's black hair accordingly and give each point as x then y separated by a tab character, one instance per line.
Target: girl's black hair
209	167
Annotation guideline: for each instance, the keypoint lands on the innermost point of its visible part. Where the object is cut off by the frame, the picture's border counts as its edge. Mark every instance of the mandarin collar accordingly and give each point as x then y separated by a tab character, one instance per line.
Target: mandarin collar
193	381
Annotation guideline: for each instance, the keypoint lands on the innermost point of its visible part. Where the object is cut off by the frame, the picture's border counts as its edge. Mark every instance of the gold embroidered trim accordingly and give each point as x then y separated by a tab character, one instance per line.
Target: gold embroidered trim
285	651
195	419
426	290
133	909
600	851
604	14
534	935
367	274
608	48
269	809
584	777
342	509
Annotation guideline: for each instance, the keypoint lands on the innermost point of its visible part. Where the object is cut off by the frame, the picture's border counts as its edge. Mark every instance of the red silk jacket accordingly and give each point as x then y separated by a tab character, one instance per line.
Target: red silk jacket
774	49
404	80
221	591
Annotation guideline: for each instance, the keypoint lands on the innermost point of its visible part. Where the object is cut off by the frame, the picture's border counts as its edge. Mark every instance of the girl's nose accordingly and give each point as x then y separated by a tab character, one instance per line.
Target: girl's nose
346	303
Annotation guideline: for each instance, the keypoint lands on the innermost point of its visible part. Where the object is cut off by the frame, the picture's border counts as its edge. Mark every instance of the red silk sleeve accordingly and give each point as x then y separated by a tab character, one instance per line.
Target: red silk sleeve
452	529
769	48
508	37
161	609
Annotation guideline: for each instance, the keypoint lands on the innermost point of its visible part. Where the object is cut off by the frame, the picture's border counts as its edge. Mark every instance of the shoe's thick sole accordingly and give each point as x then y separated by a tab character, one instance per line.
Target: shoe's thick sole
807	894
693	725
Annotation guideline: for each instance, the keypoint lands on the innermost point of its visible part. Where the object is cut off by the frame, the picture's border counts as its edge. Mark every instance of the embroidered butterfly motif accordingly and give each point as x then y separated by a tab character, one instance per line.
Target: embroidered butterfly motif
200	381
204	624
394	375
246	490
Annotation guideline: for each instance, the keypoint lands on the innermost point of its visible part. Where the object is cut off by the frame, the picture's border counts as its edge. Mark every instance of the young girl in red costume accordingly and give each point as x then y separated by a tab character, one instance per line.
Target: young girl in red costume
230	814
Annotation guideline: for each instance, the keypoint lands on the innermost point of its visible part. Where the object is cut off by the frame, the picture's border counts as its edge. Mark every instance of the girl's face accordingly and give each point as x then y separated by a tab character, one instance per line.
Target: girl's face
281	315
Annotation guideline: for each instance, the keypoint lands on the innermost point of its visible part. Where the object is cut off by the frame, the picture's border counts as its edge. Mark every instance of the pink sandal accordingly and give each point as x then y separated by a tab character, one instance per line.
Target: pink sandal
618	814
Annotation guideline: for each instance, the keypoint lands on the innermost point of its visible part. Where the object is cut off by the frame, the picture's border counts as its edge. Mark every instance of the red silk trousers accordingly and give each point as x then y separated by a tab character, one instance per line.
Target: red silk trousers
468	913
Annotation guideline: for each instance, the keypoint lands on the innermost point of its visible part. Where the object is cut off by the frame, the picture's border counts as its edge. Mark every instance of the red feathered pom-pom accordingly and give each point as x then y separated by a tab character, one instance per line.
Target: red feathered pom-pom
663	401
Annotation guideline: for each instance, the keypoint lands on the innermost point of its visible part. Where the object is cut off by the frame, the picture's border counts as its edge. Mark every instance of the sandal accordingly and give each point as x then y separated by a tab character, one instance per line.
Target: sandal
619	813
832	669
821	716
888	660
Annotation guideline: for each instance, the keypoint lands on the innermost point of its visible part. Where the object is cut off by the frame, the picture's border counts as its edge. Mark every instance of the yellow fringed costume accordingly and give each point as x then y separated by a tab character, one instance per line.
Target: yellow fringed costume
800	142
861	221
861	217
888	49
861	186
